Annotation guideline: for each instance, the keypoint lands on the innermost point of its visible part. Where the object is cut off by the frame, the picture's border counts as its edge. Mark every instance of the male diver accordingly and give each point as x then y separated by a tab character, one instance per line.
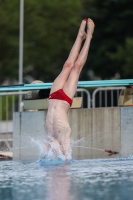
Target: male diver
63	91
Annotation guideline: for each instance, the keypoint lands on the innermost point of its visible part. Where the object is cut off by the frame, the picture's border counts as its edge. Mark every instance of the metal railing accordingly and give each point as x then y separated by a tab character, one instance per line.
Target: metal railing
104	96
85	94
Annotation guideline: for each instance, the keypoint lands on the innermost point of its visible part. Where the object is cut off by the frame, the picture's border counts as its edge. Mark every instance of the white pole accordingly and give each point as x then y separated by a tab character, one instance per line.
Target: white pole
21	31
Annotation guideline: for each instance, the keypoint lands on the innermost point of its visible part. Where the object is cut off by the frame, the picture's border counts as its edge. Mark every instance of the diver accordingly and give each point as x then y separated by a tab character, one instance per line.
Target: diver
63	90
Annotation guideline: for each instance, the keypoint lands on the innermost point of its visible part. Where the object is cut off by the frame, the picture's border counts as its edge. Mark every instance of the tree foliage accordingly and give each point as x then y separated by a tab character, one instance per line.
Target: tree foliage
110	45
9	37
50	28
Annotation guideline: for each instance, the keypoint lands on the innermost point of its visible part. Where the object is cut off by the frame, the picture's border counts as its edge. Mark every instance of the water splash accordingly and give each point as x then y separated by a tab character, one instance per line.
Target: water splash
50	150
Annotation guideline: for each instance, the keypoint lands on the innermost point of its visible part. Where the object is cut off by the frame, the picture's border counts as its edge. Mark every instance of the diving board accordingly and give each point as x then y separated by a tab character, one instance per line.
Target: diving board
83	84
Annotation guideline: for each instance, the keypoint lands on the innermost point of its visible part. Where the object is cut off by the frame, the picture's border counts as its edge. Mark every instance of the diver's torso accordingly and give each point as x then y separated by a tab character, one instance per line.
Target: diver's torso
57	118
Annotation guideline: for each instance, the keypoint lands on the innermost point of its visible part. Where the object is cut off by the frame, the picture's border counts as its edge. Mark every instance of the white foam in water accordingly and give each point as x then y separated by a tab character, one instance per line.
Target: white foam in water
49	150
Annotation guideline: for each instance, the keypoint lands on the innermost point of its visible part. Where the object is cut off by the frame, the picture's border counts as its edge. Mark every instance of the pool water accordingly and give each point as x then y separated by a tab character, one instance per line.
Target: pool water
96	179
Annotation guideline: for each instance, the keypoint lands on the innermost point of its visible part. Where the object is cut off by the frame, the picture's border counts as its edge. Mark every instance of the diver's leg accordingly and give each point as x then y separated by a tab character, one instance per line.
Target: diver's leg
63	76
71	84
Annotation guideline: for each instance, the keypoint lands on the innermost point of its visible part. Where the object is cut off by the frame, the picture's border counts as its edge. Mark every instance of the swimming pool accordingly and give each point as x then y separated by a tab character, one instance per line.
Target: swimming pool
109	179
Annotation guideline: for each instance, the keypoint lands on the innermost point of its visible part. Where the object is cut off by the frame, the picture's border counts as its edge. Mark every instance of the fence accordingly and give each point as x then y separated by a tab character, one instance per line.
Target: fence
104	97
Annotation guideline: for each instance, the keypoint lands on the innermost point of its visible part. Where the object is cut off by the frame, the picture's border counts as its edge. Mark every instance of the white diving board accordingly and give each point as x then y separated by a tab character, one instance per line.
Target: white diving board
83	84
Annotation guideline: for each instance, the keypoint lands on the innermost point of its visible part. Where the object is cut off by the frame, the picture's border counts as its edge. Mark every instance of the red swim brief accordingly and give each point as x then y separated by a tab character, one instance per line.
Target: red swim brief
59	94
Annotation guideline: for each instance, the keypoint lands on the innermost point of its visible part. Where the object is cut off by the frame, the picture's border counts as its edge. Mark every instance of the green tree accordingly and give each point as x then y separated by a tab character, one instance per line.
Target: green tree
110	45
124	57
9	37
50	29
49	32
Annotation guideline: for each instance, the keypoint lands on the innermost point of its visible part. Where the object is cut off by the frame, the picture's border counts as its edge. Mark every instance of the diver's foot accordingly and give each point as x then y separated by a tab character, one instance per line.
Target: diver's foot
82	33
90	27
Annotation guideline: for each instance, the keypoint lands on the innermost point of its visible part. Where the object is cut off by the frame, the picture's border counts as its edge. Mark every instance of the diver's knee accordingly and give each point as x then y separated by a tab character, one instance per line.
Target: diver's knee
77	66
68	64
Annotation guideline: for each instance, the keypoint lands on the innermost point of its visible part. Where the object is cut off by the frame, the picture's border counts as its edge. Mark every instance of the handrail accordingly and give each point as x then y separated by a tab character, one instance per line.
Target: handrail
12	93
26	92
88	95
101	89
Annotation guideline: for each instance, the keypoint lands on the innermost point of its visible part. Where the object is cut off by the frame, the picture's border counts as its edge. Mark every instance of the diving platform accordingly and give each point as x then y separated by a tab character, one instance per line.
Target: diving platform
83	84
